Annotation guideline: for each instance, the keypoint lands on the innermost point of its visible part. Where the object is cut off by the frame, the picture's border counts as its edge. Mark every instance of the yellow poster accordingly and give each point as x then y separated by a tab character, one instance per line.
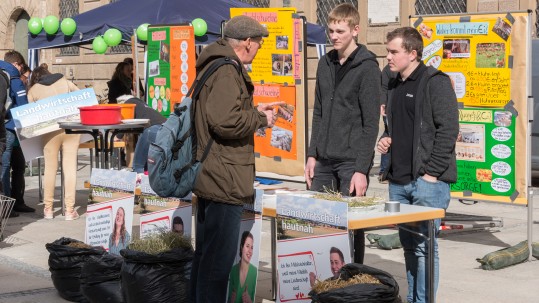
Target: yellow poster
474	52
275	61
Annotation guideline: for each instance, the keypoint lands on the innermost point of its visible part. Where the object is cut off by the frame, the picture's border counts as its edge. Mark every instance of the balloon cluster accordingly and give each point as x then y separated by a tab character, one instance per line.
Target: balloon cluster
200	27
51	24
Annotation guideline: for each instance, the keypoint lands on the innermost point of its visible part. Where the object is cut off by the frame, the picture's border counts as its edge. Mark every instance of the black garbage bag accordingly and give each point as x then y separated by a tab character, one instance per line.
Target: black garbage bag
388	291
66	257
156	278
100	279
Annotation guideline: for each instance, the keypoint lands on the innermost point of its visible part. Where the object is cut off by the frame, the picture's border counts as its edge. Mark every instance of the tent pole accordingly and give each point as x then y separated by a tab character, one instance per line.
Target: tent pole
530	222
137	78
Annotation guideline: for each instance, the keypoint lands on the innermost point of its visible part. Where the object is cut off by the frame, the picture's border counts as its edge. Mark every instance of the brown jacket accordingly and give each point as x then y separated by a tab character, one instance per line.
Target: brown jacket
225	111
50	85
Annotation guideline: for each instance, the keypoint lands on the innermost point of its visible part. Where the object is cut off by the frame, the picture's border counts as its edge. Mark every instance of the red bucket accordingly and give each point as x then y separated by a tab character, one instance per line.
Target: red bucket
100	115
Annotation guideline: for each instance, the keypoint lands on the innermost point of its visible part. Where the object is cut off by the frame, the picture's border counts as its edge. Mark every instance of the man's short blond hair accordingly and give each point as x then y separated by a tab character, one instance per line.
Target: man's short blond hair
344	12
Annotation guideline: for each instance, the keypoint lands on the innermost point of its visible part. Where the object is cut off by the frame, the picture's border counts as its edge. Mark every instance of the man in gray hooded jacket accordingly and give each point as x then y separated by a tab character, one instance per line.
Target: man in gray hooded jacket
346	114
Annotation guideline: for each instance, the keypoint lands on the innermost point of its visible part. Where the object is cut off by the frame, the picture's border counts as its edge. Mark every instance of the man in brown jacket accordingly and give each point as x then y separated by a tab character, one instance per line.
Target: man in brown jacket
225	113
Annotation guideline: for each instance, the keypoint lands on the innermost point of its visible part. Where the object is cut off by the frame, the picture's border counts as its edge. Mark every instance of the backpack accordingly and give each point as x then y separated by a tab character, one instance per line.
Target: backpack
8	101
172	163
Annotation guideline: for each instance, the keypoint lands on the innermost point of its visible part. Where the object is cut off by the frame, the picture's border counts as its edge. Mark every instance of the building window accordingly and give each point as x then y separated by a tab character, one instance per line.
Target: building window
257	3
429	7
68	9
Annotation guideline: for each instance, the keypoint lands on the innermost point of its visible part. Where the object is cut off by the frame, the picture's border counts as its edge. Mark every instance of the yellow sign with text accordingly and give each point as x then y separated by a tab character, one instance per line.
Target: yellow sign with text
474	53
275	61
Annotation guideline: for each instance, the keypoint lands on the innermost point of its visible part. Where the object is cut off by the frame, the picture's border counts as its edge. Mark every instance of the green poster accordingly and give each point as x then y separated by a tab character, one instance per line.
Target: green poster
485	151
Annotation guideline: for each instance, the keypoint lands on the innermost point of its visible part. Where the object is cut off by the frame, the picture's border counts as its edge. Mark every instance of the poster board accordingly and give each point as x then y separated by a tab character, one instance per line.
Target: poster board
159	214
277	70
35	119
251	236
111	191
170	65
485	55
308	232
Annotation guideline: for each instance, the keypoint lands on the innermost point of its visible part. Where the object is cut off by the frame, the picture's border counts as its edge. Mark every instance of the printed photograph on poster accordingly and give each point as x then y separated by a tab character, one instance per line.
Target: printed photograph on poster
502	29
281	138
483	175
164	52
458	82
286	112
281	42
154	69
281	64
456	48
174	219
470	144
490	55
425	31
503	118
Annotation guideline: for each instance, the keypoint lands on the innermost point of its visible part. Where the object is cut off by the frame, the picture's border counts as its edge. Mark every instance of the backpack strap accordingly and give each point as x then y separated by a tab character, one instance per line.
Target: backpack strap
197	87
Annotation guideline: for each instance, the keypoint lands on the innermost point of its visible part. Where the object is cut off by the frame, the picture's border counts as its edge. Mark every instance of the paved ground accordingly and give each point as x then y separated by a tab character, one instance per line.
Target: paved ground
24	275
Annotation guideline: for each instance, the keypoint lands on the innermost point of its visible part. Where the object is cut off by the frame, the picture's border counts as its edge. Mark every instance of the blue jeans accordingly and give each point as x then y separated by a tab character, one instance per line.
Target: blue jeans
336	176
217	233
143	145
423	193
13	166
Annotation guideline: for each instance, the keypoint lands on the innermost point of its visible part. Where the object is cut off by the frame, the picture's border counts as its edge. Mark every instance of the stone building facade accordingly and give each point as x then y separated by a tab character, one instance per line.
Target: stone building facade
89	69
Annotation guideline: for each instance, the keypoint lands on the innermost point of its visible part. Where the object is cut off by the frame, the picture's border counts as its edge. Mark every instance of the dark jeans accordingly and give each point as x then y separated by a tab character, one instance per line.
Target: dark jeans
217	230
336	176
143	145
13	166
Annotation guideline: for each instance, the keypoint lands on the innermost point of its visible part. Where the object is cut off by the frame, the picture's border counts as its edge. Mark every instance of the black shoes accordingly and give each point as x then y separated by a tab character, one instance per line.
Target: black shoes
23	208
13	214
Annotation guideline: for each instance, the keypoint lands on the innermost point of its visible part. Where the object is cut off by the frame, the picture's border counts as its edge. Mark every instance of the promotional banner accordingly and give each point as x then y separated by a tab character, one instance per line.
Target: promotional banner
485	56
159	214
170	65
281	139
486	152
275	60
312	243
243	275
110	209
36	119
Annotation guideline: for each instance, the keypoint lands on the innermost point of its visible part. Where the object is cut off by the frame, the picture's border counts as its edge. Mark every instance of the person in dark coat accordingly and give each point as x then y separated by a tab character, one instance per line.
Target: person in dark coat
121	82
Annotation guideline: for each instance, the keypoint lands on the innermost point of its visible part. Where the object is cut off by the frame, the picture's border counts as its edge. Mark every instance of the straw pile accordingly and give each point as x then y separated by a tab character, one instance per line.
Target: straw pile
160	242
323	286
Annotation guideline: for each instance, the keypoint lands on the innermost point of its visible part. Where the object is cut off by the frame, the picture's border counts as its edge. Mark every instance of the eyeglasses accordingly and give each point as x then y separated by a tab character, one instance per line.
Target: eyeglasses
258	40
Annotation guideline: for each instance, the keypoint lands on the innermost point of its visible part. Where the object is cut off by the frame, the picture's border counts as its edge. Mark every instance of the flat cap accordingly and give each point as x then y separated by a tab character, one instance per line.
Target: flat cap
243	27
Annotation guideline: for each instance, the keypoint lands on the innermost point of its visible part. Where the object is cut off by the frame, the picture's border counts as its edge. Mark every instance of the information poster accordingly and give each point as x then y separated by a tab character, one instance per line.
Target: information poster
159	214
33	120
248	254
486	152
485	56
311	235
280	140
275	60
109	217
474	54
170	65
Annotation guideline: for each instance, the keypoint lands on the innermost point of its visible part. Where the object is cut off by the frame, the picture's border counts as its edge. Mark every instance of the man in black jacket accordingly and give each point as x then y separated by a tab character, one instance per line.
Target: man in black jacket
422	116
346	114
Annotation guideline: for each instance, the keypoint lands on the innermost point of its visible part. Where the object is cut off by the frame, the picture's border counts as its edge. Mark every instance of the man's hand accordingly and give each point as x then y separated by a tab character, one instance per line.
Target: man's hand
383	145
271	113
358	184
309	170
430	178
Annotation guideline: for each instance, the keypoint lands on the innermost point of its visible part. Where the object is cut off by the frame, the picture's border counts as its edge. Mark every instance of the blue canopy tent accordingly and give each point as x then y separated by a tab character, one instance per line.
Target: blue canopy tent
127	15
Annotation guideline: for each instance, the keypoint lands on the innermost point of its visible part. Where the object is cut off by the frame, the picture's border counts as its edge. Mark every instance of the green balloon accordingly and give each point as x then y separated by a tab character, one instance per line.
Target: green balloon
200	27
112	37
68	26
99	45
34	25
51	25
142	32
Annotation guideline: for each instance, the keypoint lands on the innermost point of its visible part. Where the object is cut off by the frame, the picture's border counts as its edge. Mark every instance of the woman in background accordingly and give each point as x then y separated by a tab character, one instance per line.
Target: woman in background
43	84
121	82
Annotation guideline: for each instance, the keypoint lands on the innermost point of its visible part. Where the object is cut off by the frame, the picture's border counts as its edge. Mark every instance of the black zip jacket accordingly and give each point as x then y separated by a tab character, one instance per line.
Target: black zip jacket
345	119
436	127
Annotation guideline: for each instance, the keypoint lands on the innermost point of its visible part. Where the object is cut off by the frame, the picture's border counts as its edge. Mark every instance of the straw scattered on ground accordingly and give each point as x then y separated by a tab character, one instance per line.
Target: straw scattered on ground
78	245
323	286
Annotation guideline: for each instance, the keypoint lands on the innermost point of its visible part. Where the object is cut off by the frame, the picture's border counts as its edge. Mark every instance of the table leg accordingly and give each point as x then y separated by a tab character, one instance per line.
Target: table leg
431	257
273	258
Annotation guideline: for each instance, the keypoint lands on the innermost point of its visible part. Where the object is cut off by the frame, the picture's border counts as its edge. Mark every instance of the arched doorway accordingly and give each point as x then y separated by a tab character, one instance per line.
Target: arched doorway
20	35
